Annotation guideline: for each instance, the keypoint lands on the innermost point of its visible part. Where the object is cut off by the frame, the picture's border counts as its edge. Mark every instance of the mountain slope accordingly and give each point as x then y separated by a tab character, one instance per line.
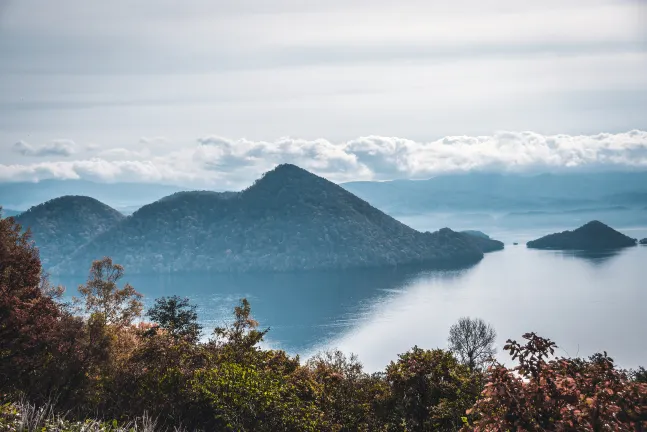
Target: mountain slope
289	219
483	241
62	225
591	236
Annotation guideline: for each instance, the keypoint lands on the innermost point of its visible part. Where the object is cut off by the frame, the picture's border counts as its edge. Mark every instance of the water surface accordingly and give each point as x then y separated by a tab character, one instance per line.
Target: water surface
586	302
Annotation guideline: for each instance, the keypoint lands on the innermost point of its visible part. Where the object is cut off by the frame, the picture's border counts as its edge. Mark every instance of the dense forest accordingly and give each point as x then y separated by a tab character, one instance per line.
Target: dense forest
288	220
101	364
592	236
62	224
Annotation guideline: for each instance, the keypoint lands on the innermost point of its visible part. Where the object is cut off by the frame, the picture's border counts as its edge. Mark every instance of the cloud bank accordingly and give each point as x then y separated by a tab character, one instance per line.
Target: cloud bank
223	163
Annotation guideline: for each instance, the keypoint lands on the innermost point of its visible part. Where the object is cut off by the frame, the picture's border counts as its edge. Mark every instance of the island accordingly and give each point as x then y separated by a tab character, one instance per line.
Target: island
594	235
288	220
643	241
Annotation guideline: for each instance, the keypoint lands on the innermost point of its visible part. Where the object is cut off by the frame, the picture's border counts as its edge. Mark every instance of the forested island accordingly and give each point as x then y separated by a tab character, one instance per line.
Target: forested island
290	219
592	236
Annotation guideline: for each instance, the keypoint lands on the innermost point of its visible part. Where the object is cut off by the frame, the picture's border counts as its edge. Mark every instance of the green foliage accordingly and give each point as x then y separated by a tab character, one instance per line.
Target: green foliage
176	316
245	397
101	295
430	390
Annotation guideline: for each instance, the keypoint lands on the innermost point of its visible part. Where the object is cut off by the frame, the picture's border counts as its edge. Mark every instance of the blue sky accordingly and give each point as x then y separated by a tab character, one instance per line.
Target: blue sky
212	93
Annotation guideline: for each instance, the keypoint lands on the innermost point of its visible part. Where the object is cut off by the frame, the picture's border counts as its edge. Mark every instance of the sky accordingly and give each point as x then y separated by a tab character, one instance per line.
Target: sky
212	93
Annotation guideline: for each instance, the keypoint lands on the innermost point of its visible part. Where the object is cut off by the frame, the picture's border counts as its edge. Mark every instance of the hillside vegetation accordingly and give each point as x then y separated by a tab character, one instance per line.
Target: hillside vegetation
288	220
592	236
60	226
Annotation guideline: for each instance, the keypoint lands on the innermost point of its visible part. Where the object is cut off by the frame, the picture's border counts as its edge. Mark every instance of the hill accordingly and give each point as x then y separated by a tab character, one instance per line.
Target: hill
476	233
60	226
288	220
483	241
593	236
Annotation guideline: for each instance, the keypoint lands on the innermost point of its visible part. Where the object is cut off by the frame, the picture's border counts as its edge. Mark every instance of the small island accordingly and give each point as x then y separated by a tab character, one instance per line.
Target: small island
643	241
592	236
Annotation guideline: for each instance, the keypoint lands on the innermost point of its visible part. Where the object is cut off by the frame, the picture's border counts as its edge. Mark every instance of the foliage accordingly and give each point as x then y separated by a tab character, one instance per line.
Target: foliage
558	394
430	390
472	341
176	316
101	295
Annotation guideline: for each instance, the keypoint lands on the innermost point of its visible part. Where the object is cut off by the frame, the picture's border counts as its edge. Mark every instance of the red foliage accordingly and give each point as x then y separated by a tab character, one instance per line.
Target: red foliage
559	394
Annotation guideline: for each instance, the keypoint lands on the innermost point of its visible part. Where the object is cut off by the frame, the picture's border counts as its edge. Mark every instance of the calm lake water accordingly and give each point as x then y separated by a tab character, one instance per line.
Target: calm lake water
585	302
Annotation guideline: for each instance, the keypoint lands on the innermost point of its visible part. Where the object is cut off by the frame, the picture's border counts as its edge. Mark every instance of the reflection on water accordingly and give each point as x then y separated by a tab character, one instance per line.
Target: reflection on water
301	309
593	257
586	302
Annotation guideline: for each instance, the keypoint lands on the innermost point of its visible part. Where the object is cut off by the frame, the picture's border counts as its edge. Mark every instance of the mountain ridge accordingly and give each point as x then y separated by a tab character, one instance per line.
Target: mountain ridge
289	219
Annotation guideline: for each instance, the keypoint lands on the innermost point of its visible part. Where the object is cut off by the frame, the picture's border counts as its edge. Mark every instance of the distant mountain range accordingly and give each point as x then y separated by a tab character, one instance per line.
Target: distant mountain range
125	197
506	192
288	220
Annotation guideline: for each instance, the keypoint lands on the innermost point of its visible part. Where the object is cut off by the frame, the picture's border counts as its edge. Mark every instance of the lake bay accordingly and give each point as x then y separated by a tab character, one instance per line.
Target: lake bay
586	302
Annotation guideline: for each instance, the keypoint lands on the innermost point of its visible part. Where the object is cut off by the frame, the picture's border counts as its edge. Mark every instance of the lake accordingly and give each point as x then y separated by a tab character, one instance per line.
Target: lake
586	302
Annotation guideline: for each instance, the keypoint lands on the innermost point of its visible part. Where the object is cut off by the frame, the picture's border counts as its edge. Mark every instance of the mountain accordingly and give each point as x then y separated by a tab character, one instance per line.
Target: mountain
505	192
60	226
288	220
22	195
593	236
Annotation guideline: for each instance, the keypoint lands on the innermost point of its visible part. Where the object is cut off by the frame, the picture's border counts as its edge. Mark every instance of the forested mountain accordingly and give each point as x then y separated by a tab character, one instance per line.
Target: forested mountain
592	236
289	219
505	192
62	225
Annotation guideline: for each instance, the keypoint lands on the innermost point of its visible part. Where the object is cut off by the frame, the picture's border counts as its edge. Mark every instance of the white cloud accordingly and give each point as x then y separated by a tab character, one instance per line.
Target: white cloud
223	163
60	147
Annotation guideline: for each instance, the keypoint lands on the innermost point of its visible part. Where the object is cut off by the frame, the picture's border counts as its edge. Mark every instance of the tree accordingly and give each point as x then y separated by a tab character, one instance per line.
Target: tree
430	391
472	341
177	316
558	394
102	296
242	332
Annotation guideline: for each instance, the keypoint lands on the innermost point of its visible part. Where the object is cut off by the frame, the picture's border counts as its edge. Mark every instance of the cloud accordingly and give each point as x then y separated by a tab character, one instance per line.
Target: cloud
60	147
224	163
